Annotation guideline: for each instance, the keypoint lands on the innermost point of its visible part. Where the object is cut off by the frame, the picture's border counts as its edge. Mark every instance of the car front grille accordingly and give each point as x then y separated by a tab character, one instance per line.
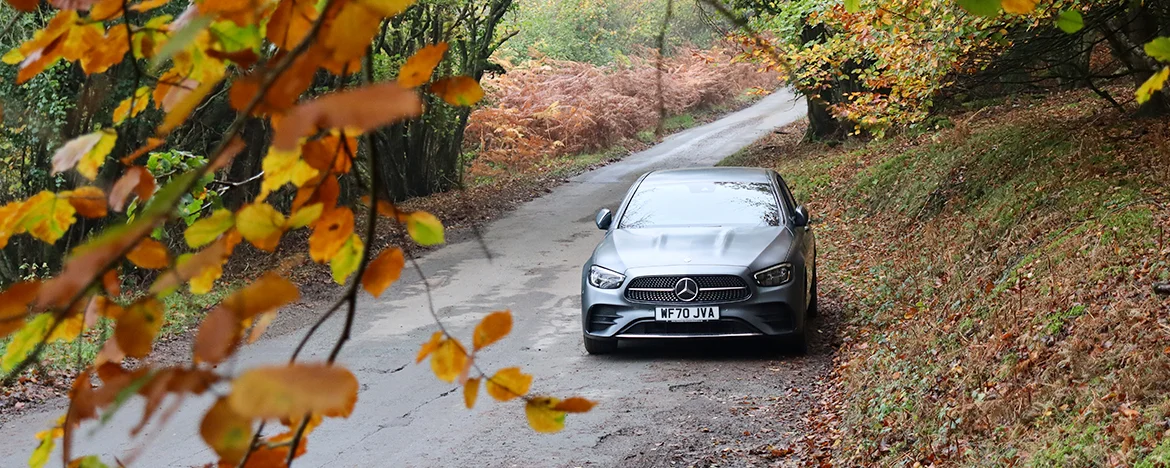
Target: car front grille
712	289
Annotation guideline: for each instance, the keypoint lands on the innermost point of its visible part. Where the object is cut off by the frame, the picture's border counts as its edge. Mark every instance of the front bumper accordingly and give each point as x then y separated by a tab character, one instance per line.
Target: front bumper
768	311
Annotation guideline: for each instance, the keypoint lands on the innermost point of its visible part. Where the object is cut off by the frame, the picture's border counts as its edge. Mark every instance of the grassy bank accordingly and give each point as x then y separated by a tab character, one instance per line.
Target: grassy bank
1000	274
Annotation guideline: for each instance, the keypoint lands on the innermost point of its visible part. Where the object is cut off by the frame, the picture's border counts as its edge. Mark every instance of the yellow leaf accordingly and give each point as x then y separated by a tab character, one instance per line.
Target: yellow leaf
281	167
448	360
541	415
330	234
429	347
48	439
418	68
14	304
132	105
204	280
181	110
470	392
509	383
347	259
268	293
12	57
149	254
424	228
1152	85
46	216
93	160
227	433
72	151
1019	6
458	90
261	225
304	216
291	392
24	340
69	329
493	327
138	326
383	271
206	230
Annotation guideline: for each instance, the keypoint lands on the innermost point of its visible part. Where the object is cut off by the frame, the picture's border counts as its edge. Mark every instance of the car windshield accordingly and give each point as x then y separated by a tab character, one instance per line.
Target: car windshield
701	203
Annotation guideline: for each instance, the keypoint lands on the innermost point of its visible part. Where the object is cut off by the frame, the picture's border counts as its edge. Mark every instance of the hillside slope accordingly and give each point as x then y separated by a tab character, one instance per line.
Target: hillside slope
1000	278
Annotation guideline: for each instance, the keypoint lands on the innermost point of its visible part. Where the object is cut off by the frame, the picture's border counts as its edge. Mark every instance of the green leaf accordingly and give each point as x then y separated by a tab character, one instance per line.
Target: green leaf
304	216
987	8
852	6
1070	21
1159	49
90	461
206	230
25	340
180	40
346	261
424	228
234	37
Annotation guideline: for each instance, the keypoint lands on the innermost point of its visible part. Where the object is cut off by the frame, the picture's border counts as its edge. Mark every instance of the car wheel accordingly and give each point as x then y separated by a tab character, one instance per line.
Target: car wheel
812	302
795	344
600	346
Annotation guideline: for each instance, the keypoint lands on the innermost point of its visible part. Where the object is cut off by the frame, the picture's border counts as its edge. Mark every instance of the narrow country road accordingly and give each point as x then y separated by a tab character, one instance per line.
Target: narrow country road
658	403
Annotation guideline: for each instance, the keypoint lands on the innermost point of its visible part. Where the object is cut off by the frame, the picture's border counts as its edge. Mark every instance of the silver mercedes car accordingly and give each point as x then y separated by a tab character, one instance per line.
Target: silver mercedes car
702	253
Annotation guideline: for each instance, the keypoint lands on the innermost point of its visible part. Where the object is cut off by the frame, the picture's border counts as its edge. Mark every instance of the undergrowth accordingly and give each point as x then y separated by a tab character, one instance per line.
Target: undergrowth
1000	278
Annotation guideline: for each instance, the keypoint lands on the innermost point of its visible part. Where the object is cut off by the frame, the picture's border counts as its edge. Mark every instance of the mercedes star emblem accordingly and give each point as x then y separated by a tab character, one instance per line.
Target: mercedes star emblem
686	289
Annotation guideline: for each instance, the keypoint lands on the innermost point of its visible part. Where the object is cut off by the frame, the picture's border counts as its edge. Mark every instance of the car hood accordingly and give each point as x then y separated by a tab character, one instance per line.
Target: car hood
733	246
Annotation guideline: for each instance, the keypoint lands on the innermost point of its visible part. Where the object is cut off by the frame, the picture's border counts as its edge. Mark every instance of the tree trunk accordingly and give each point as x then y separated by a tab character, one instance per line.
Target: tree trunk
822	126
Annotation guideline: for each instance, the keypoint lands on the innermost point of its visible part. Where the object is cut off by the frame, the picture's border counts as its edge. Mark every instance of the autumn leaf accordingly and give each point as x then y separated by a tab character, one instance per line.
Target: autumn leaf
448	360
227	432
330	153
137	180
48	439
987	8
87	153
542	416
508	383
218	335
331	233
418	68
147	5
88	259
574	405
109	51
138	326
852	6
46	216
88	201
424	228
470	392
282	167
266	294
347	259
1152	85
290	22
458	90
383	271
184	107
206	230
133	105
151	144
387	8
293	391
27	6
149	254
14	304
359	110
492	328
261	225
1019	6
262	323
206	265
34	332
350	33
429	347
304	216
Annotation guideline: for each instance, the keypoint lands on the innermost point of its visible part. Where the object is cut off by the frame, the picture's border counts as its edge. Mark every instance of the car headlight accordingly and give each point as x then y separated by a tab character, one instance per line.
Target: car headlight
774	276
605	279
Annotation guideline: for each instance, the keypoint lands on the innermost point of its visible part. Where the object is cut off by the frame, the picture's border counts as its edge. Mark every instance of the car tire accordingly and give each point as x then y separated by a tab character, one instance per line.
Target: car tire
795	344
600	346
812	302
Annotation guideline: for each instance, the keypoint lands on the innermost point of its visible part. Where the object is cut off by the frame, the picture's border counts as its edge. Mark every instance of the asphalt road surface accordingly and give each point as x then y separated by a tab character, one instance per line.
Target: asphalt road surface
690	403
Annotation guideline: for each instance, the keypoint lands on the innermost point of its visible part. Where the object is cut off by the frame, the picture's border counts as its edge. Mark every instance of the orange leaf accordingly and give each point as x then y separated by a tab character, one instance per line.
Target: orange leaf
27	6
509	383
330	153
493	327
284	91
218	336
574	405
360	110
87	260
383	271
470	392
151	143
184	107
418	68
458	90
139	325
191	265
261	325
293	391
89	201
149	254
268	293
449	360
108	52
351	32
14	304
1019	6
111	283
227	433
147	5
429	347
37	61
103	10
325	191
330	234
290	22
137	180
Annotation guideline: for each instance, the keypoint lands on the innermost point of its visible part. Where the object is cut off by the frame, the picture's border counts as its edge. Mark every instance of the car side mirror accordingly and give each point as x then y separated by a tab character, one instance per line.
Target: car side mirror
800	217
604	219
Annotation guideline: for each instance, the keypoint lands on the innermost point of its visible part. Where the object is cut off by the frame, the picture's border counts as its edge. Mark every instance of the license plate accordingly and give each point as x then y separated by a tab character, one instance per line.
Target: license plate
686	314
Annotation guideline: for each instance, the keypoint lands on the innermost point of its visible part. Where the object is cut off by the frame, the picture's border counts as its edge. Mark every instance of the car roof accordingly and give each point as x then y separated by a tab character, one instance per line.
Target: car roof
717	174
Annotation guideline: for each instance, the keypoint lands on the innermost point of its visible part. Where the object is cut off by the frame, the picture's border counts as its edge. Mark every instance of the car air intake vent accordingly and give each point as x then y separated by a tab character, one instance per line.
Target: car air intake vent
711	288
